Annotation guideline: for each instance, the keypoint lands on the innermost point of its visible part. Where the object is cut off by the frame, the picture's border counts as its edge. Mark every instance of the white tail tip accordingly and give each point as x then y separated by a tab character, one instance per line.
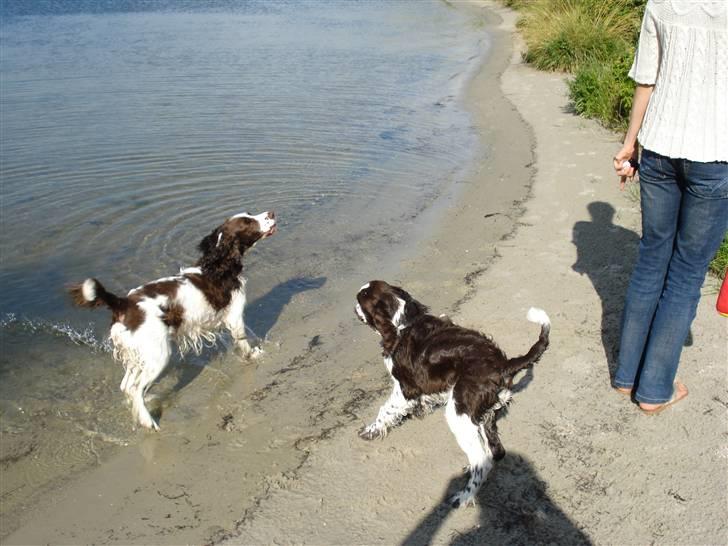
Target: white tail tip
88	289
538	316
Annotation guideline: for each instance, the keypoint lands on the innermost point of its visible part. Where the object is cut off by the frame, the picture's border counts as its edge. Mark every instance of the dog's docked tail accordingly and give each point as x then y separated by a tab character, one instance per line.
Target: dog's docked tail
91	293
517	364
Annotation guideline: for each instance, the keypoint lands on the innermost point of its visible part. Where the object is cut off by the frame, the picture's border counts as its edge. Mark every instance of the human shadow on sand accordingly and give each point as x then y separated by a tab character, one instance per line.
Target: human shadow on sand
513	508
606	254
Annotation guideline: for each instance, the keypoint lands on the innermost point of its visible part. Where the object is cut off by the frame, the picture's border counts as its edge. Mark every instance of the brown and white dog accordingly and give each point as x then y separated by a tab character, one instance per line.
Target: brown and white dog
433	362
189	308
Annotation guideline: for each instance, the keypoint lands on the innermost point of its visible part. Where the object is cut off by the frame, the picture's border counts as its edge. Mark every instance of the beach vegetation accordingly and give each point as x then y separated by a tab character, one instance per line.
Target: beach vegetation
565	34
720	263
594	42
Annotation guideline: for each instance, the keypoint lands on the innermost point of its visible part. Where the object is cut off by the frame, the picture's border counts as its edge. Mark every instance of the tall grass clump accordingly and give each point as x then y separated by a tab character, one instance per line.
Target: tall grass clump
564	34
602	90
592	39
720	262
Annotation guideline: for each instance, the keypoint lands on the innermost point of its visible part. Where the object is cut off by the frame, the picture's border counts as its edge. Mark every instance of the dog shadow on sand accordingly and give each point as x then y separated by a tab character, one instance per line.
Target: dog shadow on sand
263	313
514	508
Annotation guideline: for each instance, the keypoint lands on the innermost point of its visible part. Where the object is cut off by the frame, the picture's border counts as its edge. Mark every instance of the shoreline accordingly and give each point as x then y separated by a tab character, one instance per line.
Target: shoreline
443	257
583	465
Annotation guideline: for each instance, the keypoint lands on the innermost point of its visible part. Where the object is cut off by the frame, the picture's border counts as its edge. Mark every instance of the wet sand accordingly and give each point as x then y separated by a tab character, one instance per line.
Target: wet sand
234	432
538	221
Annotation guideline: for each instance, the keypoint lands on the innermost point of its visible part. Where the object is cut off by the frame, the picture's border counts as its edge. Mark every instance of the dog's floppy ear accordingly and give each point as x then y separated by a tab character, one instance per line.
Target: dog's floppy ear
217	250
412	307
407	382
209	242
387	330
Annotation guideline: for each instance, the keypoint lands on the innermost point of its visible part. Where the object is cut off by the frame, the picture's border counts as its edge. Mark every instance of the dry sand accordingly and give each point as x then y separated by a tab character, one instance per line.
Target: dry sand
583	464
277	460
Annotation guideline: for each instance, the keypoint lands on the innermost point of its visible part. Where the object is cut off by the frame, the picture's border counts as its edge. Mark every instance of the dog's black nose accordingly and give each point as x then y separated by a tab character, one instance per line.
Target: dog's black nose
271	215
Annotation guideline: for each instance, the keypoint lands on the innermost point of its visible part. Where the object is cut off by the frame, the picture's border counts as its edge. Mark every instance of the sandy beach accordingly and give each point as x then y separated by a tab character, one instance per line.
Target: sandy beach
538	221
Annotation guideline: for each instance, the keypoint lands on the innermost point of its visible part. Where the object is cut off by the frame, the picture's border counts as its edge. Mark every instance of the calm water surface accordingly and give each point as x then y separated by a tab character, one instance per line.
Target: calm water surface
129	129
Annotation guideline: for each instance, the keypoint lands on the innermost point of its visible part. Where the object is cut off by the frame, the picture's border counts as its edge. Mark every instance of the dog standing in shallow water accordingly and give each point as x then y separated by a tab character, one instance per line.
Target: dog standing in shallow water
432	362
190	307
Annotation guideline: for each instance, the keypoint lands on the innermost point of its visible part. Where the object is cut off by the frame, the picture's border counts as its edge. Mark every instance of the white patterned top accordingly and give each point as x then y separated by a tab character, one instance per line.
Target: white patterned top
683	52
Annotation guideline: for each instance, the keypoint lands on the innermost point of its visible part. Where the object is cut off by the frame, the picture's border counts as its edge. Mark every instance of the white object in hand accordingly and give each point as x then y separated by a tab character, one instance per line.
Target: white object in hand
626	164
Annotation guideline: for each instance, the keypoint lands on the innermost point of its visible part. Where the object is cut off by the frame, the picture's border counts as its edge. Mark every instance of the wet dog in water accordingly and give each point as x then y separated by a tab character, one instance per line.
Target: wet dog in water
432	362
189	308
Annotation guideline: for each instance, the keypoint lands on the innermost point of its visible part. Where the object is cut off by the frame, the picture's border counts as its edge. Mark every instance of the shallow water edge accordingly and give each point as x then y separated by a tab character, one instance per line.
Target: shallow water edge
202	478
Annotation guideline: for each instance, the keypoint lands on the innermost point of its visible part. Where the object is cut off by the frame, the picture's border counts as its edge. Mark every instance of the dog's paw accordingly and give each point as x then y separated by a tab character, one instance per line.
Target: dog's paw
247	350
462	499
149	423
256	352
372	432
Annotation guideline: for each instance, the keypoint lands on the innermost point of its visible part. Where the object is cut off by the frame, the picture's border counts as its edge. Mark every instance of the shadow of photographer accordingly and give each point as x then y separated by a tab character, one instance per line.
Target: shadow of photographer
514	508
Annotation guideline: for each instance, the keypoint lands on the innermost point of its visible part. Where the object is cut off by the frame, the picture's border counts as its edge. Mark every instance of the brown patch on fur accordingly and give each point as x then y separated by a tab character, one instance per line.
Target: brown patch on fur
159	288
218	293
132	316
174	316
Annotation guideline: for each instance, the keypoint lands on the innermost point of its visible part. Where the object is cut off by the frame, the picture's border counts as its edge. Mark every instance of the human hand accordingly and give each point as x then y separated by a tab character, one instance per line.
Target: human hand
625	164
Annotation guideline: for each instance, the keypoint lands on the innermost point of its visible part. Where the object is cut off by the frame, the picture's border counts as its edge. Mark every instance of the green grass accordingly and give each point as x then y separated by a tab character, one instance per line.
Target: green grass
720	262
591	39
565	34
601	90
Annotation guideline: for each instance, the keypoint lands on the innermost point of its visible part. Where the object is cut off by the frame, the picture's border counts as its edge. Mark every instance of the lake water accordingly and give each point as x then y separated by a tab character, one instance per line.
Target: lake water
130	128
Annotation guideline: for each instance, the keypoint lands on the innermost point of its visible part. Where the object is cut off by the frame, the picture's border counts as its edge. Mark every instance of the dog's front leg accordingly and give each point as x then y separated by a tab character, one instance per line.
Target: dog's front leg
247	350
396	408
235	324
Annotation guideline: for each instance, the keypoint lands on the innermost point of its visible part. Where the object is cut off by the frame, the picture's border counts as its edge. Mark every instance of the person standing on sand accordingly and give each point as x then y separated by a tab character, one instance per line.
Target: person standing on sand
680	117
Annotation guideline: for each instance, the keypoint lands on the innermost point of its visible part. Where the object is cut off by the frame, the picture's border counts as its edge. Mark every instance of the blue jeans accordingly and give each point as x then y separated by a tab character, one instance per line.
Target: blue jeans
684	220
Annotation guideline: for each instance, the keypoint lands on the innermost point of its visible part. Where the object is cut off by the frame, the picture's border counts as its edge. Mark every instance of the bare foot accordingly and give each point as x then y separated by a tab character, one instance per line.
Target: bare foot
680	392
624	390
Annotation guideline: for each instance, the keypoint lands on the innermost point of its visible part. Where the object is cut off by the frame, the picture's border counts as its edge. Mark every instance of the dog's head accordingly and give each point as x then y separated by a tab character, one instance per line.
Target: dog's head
387	309
230	240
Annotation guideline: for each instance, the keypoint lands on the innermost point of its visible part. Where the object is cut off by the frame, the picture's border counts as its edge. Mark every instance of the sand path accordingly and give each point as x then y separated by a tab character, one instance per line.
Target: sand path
583	464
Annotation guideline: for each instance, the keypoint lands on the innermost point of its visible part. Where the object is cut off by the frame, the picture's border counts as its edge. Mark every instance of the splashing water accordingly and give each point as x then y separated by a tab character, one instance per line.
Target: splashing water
85	337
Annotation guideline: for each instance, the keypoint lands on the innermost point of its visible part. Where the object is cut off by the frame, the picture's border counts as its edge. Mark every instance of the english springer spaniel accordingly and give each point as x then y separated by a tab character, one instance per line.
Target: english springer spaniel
189	308
433	362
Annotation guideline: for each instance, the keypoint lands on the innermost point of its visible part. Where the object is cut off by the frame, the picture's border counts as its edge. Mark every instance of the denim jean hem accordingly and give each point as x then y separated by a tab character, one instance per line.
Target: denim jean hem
622	385
652	400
